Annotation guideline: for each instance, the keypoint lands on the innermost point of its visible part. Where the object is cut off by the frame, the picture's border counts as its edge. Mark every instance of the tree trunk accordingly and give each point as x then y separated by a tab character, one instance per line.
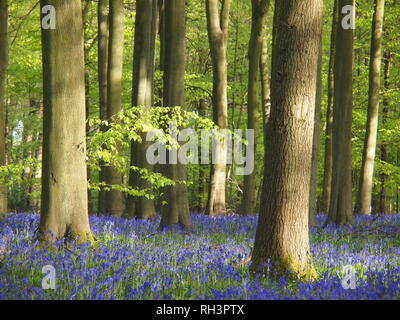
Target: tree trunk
177	208
142	95
265	86
217	26
259	13
368	159
282	233
64	208
202	177
3	69
102	51
385	113
115	198
340	208
327	180
315	146
86	26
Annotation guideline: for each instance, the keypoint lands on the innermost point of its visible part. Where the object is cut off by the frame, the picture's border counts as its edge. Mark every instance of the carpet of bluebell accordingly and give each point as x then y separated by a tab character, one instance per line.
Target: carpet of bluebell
133	260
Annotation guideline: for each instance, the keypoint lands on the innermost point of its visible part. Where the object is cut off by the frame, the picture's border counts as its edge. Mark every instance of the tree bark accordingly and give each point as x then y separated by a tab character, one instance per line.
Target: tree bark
64	208
202	177
327	180
315	146
177	208
265	83
340	208
282	233
364	195
385	113
259	13
142	95
3	69
217	26
86	26
114	198
102	67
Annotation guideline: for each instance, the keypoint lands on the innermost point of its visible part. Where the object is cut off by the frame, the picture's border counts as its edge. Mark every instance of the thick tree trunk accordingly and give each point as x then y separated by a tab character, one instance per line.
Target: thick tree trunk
340	208
177	208
282	233
102	52
259	12
142	95
384	151
217	25
64	208
328	157
114	198
3	69
364	196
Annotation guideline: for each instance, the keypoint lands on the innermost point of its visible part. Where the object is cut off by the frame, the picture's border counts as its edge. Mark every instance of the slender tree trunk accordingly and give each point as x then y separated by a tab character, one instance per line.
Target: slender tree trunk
367	168
102	52
328	158
217	25
259	13
282	236
86	26
64	208
340	208
3	69
142	95
266	100
202	180
385	113
177	209
265	87
114	198
315	146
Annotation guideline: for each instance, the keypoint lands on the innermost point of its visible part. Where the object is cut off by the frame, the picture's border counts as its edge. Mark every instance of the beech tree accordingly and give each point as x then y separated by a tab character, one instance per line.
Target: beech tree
102	67
114	198
384	147
3	69
340	208
282	231
143	96
259	13
64	209
327	180
177	208
217	26
364	195
313	208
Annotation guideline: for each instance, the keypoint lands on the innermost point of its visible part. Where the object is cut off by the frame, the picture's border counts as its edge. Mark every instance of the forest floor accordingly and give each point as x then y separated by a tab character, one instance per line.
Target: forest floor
132	260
